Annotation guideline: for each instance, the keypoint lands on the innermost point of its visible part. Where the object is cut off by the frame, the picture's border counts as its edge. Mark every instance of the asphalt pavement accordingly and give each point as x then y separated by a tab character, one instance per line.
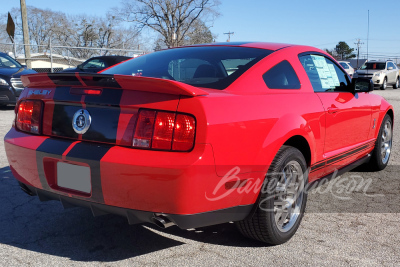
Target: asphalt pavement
358	227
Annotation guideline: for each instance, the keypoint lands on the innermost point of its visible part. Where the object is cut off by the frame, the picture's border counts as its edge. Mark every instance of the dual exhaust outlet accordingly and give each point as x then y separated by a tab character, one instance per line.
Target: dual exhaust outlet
162	221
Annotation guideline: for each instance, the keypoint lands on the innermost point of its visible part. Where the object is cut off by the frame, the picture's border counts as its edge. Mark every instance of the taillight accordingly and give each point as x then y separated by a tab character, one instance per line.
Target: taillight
29	116
164	130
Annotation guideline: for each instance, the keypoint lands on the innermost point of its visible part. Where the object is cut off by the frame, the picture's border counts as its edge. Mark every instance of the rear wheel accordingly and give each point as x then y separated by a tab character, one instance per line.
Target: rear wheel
396	85
282	200
384	84
383	146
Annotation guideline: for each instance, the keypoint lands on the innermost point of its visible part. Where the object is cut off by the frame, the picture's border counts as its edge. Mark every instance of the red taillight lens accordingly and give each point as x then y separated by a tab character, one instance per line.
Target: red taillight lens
144	129
164	130
29	116
185	126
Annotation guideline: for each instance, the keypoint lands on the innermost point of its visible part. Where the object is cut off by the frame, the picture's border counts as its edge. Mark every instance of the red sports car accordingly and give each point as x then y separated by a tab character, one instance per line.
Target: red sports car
199	135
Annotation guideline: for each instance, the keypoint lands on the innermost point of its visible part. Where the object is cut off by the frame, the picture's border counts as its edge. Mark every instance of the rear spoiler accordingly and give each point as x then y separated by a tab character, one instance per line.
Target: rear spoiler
126	82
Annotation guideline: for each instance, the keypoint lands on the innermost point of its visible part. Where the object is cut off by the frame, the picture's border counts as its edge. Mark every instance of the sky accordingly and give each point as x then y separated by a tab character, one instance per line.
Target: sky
318	23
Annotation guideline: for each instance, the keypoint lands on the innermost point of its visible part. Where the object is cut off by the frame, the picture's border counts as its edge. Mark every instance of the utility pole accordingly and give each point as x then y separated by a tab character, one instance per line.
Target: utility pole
229	35
25	31
359	43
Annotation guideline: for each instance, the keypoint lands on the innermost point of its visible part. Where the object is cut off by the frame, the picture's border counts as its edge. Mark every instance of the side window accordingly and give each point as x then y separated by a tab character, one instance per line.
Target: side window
282	76
324	74
344	65
95	63
390	64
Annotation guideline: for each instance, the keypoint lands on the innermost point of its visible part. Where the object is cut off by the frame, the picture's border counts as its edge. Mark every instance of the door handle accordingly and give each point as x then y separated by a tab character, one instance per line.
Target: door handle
333	110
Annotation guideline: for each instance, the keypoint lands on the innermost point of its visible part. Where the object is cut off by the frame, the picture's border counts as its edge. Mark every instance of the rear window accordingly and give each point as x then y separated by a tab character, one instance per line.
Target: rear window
373	66
213	67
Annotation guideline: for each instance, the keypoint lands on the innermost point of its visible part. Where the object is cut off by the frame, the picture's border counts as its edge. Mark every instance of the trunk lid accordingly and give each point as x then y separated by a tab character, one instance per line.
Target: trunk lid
113	102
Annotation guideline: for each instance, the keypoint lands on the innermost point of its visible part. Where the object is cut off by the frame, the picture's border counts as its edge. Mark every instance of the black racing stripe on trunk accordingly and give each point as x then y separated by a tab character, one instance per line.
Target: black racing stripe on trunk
103	127
62	94
62	120
108	97
104	124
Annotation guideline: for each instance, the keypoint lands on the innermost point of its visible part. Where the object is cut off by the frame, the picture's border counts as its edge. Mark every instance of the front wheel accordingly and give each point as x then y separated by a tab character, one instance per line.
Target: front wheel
282	200
383	146
396	85
384	84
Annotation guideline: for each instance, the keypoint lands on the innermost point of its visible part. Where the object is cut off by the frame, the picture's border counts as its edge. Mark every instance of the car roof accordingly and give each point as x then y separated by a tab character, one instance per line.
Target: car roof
261	45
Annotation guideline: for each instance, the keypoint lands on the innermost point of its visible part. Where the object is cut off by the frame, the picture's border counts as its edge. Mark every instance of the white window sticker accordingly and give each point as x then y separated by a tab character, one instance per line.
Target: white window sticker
327	73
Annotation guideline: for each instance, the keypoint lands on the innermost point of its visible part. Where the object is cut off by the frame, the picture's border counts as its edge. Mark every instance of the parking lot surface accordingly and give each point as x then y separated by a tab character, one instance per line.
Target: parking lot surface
356	228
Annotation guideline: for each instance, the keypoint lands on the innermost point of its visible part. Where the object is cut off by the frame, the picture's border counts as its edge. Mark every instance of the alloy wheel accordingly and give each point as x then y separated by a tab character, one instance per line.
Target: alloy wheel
289	196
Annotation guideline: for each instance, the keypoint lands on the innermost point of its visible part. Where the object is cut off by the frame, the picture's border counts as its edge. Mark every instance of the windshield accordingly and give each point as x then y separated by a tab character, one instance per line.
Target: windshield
373	66
207	66
8	62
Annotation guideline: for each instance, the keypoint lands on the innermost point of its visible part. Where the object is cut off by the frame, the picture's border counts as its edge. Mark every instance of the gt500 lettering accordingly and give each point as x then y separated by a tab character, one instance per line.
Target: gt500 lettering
39	92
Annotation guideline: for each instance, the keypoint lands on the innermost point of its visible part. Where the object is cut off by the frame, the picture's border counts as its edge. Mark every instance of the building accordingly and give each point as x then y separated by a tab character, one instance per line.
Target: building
41	62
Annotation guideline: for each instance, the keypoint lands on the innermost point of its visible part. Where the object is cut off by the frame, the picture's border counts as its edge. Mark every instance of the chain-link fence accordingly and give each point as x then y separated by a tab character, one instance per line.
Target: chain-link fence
48	58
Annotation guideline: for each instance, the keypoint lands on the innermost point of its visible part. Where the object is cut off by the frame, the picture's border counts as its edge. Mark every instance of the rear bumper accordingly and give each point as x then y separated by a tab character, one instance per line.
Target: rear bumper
130	182
137	216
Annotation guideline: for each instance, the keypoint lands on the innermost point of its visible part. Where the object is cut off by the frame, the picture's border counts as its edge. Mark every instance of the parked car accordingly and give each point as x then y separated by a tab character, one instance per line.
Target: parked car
96	64
382	73
10	82
172	138
347	67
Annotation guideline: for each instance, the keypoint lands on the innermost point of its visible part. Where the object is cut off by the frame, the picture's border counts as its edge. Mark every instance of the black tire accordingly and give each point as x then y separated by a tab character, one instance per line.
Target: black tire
384	84
377	162
261	224
396	85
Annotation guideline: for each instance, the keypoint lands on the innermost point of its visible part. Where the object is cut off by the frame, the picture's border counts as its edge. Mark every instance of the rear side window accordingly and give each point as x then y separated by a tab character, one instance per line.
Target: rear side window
282	76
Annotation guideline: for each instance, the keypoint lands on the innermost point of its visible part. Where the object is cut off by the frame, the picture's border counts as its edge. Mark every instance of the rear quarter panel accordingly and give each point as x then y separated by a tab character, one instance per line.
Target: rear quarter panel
247	123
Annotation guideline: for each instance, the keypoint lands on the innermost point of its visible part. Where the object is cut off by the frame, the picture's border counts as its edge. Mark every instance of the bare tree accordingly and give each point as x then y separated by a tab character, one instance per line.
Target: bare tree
199	33
171	18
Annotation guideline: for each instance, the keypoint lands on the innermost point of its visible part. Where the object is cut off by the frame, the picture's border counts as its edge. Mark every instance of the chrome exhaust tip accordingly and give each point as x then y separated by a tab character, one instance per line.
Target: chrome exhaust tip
162	221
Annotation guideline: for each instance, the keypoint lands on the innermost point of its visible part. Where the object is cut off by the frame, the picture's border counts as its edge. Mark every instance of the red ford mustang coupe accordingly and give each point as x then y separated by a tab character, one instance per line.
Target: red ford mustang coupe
199	135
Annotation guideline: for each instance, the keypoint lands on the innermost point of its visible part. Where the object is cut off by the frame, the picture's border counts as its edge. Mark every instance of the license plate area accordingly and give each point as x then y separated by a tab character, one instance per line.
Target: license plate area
73	177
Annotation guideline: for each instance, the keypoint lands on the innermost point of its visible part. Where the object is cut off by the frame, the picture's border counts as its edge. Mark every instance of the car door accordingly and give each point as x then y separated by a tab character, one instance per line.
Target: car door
347	115
391	72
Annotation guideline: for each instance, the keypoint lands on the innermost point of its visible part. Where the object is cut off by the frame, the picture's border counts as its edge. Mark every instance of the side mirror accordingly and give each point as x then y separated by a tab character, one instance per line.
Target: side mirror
24	66
362	85
390	68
